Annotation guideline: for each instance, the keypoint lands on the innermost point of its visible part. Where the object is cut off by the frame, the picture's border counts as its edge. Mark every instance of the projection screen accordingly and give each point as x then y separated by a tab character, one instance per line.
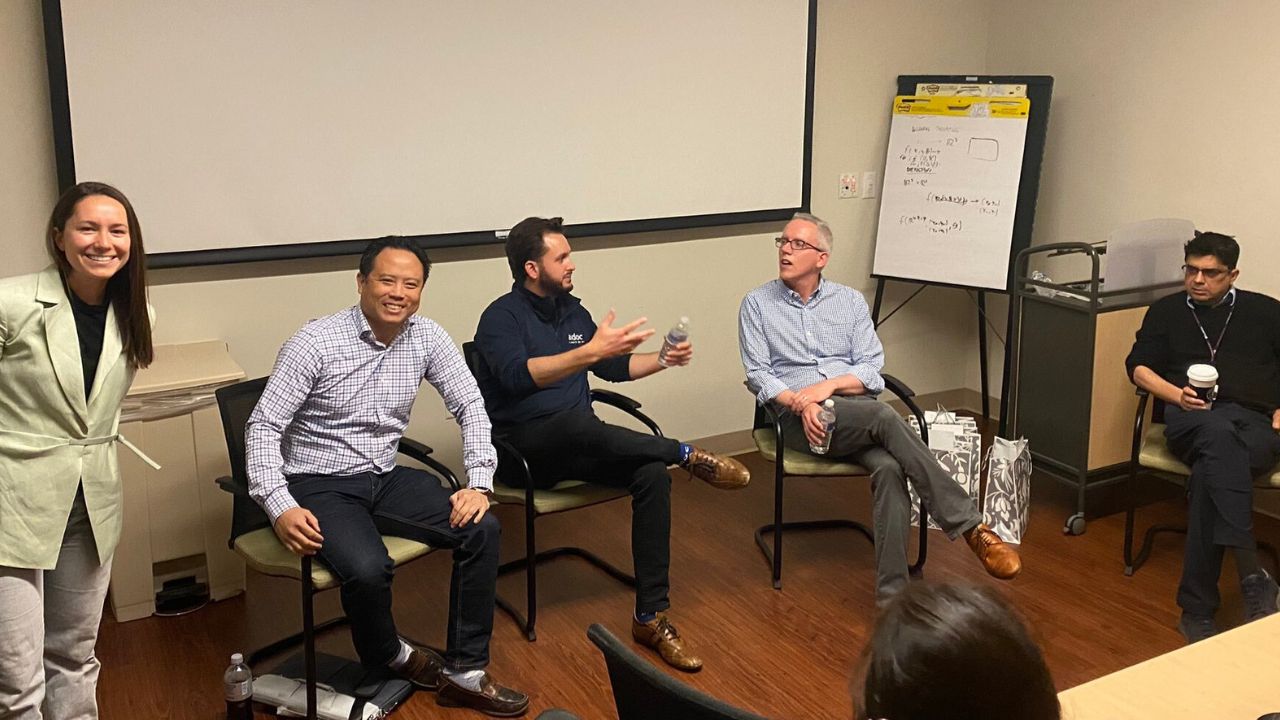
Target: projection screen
255	129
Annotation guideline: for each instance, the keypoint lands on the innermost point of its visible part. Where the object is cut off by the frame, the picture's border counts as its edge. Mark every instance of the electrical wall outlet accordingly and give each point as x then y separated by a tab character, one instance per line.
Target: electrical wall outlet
848	186
869	184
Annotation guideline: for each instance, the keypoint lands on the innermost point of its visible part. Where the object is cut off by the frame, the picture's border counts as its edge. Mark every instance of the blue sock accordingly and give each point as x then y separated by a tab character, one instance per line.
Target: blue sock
643	618
685	451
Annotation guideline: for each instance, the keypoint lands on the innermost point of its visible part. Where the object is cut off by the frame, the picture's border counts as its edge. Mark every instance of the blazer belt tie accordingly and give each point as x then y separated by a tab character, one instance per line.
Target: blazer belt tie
100	440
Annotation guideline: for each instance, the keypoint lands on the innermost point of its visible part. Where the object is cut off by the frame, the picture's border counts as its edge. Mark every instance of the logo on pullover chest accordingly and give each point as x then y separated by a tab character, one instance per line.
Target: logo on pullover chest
575	339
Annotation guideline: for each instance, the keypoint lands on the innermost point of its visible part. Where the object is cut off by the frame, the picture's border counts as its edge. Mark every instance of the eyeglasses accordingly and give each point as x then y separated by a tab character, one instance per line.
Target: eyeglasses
1209	273
796	244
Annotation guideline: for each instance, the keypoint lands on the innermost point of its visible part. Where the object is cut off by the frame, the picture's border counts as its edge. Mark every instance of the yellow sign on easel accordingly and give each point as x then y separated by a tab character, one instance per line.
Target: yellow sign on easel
1016	108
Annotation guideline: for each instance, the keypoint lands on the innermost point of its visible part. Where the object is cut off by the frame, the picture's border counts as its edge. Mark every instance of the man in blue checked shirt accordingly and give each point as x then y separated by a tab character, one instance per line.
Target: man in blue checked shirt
805	339
321	448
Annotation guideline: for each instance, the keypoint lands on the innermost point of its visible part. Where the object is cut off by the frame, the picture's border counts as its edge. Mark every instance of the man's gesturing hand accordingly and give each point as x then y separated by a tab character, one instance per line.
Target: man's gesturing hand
299	530
610	341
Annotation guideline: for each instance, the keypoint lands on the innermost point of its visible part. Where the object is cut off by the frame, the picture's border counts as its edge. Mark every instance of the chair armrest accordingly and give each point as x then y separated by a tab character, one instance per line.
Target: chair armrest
233	486
626	405
509	453
422	453
905	394
897	387
775	417
1139	416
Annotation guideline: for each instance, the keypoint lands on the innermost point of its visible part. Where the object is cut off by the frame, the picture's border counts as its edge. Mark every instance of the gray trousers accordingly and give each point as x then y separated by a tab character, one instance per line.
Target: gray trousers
873	435
48	628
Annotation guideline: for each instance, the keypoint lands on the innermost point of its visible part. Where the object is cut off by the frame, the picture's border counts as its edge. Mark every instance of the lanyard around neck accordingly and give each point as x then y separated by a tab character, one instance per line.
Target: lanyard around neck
1213	347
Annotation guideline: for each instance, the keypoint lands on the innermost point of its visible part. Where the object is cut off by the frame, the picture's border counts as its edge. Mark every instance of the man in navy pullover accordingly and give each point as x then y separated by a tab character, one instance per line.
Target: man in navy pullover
1225	444
537	343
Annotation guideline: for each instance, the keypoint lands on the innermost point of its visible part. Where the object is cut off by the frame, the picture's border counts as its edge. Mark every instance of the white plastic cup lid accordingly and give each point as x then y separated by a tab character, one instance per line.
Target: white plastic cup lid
1202	374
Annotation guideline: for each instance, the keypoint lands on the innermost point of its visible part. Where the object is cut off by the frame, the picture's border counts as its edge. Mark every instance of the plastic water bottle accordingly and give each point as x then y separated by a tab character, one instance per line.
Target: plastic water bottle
676	335
237	683
826	416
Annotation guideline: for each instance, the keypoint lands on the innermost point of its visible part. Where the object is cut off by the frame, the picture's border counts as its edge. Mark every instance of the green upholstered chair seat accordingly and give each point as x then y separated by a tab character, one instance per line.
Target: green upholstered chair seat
564	495
802	463
262	551
1155	454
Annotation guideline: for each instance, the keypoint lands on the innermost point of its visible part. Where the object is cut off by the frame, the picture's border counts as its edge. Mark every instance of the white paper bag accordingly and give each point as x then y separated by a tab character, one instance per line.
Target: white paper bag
1007	501
957	446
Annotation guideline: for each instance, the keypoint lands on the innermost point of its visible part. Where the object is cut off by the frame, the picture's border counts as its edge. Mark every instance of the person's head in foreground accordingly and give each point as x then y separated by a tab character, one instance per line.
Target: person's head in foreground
952	652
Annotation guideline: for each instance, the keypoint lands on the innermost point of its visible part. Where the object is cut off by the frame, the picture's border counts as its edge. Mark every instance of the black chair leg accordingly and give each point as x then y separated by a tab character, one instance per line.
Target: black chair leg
778	527
1129	567
774	560
1133	565
258	656
529	563
1270	550
309	636
916	571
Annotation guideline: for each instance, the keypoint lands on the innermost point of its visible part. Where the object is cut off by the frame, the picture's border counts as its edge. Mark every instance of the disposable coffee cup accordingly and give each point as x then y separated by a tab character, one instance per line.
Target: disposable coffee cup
1203	379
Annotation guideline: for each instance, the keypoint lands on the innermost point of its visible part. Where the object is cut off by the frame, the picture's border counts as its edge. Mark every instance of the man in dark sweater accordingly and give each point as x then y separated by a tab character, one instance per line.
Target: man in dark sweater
1227	443
537	343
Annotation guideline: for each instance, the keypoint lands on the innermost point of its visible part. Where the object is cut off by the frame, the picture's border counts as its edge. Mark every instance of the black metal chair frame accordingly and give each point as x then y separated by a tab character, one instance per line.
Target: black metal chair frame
509	456
767	416
638	687
1132	562
238	485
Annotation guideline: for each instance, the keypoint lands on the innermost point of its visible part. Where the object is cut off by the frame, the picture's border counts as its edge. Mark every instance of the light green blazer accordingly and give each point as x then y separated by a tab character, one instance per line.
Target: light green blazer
51	439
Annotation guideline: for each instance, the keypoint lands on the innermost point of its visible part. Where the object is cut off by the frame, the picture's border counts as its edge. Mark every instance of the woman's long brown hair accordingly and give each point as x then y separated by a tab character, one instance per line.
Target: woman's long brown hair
127	289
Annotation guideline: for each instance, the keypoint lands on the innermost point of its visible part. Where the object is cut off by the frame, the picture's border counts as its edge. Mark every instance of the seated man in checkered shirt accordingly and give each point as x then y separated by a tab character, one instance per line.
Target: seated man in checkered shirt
321	448
805	339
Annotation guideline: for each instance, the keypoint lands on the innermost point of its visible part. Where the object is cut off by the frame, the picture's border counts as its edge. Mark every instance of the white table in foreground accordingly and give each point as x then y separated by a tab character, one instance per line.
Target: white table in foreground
1235	675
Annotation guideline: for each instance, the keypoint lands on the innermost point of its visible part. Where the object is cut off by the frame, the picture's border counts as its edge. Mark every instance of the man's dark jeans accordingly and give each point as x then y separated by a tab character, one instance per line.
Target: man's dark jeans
355	511
1226	447
577	445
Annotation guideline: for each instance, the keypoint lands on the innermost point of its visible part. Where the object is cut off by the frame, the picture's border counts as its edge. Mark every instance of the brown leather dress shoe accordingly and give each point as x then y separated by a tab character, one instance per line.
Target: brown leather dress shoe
423	668
662	636
998	557
717	470
491	699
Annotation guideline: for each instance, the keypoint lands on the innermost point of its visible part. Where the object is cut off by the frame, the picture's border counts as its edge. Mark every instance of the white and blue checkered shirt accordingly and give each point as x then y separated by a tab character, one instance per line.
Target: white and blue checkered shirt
338	402
788	344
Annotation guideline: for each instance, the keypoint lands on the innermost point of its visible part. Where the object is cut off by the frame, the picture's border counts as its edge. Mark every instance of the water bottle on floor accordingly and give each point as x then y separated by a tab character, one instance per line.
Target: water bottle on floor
676	335
237	683
827	416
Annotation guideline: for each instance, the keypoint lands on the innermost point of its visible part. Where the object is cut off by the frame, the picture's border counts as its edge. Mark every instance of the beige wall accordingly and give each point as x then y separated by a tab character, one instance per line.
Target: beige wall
28	184
700	273
1160	109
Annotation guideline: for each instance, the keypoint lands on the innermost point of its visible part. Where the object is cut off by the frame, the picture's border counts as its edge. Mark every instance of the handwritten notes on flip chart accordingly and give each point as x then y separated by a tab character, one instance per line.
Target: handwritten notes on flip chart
950	189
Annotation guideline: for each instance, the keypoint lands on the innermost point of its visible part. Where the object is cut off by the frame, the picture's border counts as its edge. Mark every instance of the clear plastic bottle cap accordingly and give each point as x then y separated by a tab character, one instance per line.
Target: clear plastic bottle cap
829	404
684	320
237	659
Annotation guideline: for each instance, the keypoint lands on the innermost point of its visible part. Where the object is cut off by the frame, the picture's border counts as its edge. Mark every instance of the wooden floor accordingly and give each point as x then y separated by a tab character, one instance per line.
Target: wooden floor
779	653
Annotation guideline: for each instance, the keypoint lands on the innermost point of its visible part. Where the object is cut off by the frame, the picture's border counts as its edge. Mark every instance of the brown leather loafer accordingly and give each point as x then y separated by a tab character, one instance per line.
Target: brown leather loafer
662	636
423	668
998	557
491	699
718	471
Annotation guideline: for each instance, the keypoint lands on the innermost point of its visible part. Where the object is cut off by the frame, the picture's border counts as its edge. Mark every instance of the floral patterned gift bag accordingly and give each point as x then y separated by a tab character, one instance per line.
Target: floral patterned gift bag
1007	502
957	445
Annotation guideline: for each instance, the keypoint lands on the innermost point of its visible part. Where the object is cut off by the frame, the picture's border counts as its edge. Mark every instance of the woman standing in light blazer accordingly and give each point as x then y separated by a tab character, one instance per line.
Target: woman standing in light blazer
71	338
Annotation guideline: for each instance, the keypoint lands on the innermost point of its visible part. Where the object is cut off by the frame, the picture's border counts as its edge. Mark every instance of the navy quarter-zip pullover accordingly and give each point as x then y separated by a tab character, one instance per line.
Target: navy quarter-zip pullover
521	325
